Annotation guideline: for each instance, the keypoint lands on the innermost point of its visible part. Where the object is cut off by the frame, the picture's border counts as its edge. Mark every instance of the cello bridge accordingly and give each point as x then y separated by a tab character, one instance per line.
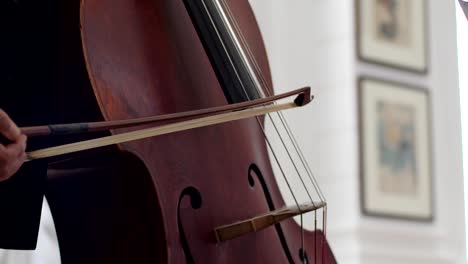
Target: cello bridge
256	223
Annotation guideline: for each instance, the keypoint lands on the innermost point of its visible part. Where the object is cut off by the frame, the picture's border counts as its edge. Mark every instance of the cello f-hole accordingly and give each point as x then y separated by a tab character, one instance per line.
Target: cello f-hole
196	203
254	170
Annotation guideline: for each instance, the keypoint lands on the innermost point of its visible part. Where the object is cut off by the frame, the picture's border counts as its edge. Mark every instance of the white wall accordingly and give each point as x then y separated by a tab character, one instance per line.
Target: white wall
312	43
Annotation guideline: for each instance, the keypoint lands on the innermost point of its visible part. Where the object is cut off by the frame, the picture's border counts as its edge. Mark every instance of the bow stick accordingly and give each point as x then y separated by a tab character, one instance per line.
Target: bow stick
190	119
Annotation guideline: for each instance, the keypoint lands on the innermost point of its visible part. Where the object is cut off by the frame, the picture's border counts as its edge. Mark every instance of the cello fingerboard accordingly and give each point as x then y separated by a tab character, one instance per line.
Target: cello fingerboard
225	53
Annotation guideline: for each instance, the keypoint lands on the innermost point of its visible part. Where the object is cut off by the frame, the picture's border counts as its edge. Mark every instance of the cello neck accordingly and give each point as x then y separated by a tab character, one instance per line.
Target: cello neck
224	49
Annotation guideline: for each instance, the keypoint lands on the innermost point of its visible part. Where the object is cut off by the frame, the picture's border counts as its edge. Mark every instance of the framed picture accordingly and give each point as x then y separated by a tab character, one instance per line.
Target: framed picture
464	5
396	163
393	33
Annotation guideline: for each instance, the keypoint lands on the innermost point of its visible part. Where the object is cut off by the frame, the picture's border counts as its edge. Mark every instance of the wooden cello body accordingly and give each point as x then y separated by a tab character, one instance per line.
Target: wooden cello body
160	199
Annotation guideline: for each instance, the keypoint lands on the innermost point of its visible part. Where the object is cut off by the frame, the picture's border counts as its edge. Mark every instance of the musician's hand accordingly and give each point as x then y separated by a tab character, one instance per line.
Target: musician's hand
12	155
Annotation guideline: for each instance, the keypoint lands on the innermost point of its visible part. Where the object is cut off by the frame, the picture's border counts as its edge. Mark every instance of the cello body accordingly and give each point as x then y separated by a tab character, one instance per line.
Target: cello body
159	200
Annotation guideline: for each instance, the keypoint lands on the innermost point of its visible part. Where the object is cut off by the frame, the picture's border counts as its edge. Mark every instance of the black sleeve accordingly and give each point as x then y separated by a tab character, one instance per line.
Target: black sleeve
20	206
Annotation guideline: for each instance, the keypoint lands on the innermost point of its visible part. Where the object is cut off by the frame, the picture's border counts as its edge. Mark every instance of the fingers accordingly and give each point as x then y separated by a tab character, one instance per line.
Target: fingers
12	157
17	148
14	167
8	128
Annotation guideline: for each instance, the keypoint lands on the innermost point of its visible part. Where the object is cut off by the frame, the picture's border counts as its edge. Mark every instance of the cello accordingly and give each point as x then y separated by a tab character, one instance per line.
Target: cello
190	197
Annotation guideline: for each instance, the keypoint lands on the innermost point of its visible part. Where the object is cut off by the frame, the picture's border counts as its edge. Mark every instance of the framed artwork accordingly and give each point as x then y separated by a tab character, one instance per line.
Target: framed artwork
393	33
464	5
396	163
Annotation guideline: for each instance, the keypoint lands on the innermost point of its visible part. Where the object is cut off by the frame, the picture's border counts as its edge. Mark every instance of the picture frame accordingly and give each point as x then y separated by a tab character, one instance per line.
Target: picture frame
395	150
464	6
393	33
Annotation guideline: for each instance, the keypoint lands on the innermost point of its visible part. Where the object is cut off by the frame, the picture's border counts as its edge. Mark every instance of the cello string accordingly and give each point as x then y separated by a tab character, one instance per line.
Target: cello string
281	116
301	155
221	9
310	174
277	161
324	237
319	191
276	129
273	150
290	157
226	8
283	120
257	118
248	97
279	166
312	177
302	240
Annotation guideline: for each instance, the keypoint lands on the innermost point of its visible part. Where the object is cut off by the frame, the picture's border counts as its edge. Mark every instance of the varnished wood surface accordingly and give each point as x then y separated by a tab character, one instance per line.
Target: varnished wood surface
152	46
